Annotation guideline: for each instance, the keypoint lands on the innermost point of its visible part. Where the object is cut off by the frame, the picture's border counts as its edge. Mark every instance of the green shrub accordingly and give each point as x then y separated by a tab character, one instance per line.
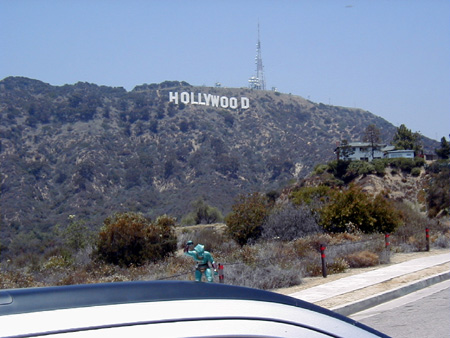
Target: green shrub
320	169
56	263
245	221
312	196
354	209
415	172
76	235
338	265
346	209
132	239
339	169
202	214
386	217
419	161
404	164
379	166
357	168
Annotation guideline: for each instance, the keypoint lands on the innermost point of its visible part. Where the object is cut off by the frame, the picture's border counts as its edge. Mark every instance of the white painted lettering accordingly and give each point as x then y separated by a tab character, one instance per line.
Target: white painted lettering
173	97
209	100
184	97
200	99
233	103
214	100
245	103
192	99
224	101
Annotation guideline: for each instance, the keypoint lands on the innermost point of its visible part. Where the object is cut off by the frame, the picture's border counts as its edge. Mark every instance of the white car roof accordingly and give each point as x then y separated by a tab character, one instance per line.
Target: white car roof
166	309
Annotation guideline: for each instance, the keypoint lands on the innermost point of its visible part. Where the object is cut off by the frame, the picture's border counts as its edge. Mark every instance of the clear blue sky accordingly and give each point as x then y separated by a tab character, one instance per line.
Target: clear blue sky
389	57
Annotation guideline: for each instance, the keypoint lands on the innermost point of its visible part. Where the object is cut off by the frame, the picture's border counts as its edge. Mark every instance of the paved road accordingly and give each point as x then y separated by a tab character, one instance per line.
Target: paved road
424	313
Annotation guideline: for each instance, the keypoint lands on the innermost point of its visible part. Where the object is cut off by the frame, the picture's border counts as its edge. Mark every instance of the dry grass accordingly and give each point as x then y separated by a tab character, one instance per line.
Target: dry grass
362	259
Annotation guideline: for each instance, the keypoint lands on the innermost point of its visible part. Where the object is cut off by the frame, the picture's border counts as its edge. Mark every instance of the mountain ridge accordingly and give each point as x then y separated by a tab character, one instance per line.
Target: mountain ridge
94	150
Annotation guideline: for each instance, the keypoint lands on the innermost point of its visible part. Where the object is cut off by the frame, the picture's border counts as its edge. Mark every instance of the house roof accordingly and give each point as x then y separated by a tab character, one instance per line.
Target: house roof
388	148
366	144
401	151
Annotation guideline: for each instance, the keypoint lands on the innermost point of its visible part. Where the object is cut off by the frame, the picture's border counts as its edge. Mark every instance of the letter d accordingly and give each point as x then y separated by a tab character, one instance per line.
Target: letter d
245	103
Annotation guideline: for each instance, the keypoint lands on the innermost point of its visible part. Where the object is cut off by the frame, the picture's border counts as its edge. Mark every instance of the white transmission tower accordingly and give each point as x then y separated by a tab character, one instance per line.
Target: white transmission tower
258	81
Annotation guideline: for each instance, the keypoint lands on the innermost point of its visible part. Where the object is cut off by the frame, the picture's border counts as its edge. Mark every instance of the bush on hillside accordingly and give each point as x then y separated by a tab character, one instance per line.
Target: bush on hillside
289	222
245	221
353	209
202	214
357	168
347	171
416	171
339	169
314	197
410	236
379	166
404	164
386	217
211	237
438	190
132	239
347	210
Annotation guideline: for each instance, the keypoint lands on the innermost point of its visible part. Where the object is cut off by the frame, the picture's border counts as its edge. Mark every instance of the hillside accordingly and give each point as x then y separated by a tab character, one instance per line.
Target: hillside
90	151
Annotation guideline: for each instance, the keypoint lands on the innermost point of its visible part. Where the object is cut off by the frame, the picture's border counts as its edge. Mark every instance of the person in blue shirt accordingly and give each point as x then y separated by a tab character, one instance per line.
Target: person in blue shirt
203	259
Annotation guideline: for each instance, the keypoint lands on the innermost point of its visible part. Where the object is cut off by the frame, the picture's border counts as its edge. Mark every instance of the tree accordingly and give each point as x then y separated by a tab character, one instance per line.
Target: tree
344	150
203	213
372	136
444	151
404	138
245	221
76	235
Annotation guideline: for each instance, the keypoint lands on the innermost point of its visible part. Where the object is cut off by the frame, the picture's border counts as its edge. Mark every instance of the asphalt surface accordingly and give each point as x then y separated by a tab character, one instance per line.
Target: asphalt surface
373	287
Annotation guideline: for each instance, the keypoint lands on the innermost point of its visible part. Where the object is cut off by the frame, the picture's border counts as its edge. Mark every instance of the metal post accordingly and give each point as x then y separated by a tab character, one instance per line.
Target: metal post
427	237
387	246
221	276
324	263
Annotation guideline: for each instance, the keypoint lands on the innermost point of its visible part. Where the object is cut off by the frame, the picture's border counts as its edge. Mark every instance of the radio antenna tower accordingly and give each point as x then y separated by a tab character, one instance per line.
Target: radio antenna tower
258	81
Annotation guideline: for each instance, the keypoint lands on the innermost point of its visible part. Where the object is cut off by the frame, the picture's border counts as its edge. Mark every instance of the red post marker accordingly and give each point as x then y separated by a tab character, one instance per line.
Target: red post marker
386	240
221	276
324	264
427	238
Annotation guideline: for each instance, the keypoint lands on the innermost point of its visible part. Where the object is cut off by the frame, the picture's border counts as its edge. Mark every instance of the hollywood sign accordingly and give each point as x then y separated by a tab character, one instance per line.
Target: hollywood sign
203	99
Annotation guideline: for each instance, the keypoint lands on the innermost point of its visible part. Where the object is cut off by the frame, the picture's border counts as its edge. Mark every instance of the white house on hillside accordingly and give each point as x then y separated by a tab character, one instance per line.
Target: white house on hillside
364	151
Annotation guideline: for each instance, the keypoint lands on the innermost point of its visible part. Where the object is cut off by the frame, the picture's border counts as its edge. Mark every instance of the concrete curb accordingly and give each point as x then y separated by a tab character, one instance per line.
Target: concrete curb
377	299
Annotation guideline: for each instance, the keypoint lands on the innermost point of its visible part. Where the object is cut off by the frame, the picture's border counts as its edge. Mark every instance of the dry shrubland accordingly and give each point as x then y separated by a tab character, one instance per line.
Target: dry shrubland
266	264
